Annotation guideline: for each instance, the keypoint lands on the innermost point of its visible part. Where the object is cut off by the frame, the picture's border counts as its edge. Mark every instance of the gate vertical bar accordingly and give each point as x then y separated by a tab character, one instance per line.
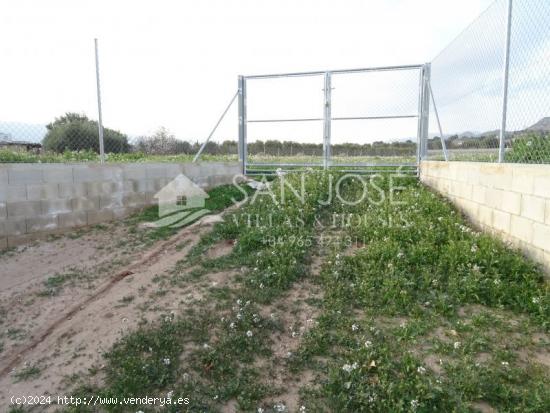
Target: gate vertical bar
419	118
327	121
100	120
242	124
502	134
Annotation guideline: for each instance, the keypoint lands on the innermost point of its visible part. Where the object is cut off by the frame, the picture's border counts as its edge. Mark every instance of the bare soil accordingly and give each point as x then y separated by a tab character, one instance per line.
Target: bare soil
65	302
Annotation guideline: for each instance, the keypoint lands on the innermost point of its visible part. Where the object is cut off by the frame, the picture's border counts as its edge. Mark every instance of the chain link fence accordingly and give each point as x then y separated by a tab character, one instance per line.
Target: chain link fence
478	87
478	83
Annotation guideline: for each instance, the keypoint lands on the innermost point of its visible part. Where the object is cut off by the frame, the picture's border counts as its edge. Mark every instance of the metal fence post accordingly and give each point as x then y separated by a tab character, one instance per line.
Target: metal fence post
502	134
424	113
100	120
327	120
242	124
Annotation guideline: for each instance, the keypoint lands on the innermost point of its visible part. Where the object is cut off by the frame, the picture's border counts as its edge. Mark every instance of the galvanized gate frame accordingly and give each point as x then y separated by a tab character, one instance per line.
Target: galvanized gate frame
422	115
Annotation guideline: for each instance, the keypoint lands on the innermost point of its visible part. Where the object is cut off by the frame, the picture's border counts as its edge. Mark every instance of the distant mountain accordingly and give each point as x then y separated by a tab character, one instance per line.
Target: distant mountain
19	131
542	125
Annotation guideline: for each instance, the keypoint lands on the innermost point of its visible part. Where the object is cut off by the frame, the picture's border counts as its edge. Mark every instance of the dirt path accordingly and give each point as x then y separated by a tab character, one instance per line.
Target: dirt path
51	338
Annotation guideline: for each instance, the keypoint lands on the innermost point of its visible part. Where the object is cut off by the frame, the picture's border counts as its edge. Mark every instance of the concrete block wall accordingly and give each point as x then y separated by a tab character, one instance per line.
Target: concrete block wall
509	200
42	199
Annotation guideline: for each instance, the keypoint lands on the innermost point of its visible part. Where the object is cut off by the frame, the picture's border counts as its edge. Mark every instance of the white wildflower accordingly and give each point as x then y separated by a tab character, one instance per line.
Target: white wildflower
421	370
166	361
474	248
302	409
260	410
400	254
232	325
505	363
414	404
205	346
368	344
348	368
535	300
249	333
354	327
170	394
456	345
279	407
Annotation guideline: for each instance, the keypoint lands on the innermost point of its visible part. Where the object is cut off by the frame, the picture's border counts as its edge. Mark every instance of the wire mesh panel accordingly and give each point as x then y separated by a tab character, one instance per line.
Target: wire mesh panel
284	121
528	115
466	82
375	117
361	118
48	103
474	98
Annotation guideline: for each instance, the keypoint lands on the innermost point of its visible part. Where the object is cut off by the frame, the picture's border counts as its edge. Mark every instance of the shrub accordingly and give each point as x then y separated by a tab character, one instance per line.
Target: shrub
74	132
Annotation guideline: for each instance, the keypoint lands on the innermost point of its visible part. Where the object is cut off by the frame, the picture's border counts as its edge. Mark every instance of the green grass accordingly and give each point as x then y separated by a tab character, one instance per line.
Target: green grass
418	312
8	156
219	198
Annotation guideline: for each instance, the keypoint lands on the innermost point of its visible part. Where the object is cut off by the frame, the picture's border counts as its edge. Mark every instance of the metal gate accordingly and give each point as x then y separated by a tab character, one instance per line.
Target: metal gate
415	149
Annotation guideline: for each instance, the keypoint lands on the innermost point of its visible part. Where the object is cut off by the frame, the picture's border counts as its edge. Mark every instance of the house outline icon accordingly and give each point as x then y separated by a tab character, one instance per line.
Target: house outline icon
179	194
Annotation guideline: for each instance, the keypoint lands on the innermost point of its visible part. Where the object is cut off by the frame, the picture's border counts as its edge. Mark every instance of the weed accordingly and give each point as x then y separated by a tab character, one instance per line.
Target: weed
27	373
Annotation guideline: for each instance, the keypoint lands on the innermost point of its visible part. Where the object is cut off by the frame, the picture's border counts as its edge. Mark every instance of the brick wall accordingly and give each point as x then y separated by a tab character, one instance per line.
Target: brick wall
510	200
41	199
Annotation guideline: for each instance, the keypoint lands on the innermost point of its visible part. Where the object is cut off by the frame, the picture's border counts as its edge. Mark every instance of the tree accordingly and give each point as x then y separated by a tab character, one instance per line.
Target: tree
75	132
162	143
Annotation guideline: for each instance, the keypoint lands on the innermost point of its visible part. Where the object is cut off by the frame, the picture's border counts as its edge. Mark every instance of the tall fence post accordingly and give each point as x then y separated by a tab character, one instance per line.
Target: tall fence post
424	112
100	120
327	121
506	68
242	124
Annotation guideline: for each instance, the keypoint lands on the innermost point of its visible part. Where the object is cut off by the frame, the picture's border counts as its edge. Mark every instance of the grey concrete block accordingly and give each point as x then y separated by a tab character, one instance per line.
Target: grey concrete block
43	223
155	185
3	176
134	172
113	201
92	173
85	204
103	188
13	226
153	172
13	193
134	185
24	209
134	200
24	174
58	174
73	219
102	215
67	190
3	210
3	243
56	206
42	191
172	170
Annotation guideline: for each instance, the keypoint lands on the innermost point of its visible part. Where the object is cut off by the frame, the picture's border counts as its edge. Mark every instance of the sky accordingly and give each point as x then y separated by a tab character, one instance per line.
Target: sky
175	63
